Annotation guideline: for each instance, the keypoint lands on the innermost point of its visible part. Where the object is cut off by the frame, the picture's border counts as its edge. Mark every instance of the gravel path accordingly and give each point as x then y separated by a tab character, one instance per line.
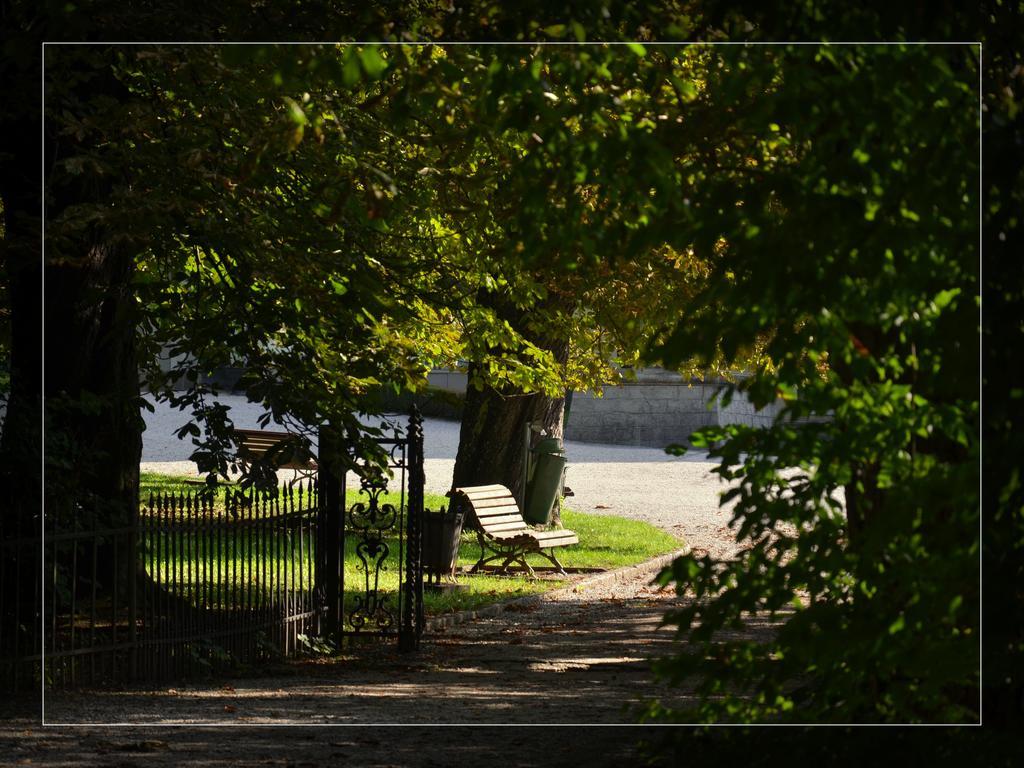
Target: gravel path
677	494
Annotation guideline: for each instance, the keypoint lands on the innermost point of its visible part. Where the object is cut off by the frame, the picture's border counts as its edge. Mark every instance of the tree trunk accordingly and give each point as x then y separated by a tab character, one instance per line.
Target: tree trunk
91	383
91	380
94	430
21	123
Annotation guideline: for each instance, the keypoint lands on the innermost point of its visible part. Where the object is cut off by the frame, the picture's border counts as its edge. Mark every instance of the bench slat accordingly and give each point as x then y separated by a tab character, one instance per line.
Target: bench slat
512	536
503	501
498	512
490	500
561	540
491	496
506	527
484	492
487	520
478	488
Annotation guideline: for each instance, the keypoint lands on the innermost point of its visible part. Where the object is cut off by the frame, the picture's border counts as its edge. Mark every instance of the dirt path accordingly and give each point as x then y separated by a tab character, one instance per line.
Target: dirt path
580	658
320	747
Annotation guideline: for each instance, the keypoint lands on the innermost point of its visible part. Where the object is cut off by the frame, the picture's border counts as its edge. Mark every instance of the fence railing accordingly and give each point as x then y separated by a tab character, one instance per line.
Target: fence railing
232	575
197	580
21	581
201	578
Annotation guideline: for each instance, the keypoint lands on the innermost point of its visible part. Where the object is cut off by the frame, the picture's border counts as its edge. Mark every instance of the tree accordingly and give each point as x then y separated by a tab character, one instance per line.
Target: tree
1003	493
308	264
880	284
95	439
22	201
549	145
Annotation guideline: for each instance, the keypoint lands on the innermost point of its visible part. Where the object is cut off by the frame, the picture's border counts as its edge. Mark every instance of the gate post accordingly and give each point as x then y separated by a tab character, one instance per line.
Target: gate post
412	607
329	564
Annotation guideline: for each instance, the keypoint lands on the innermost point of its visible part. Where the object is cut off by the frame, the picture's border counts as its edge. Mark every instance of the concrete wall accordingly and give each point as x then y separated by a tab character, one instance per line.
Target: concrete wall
449	381
658	409
644	413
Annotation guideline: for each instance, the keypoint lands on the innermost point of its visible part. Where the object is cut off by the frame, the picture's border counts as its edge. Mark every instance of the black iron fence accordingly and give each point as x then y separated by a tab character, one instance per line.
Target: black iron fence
199	580
228	577
21	587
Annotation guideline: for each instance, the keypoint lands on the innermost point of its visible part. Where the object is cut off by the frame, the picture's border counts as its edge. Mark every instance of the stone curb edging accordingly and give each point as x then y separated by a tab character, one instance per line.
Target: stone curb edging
625	573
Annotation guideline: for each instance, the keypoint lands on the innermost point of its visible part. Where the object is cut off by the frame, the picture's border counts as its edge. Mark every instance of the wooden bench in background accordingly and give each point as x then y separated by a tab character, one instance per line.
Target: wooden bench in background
281	450
502	530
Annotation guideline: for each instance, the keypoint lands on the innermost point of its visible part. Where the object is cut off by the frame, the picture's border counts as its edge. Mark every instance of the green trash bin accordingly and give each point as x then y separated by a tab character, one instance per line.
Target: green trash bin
545	481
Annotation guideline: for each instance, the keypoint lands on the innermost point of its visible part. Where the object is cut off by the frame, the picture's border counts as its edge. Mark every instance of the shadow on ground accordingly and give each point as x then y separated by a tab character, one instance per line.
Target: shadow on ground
578	662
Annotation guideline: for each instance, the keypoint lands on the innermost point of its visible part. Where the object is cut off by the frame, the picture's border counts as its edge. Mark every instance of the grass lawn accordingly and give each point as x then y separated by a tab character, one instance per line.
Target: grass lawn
605	542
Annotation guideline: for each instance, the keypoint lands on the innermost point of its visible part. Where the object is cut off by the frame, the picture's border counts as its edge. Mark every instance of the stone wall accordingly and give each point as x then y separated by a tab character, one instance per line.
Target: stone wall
654	414
449	381
658	409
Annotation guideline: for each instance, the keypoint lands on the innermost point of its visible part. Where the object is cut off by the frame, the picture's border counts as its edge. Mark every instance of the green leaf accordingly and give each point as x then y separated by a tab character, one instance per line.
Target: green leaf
687	91
373	63
295	112
350	72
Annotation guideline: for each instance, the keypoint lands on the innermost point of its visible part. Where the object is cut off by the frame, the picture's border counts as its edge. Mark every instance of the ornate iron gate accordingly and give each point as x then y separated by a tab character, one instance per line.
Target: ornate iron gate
372	565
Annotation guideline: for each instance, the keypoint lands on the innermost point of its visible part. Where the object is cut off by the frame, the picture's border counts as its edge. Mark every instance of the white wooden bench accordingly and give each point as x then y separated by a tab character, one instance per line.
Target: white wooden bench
502	531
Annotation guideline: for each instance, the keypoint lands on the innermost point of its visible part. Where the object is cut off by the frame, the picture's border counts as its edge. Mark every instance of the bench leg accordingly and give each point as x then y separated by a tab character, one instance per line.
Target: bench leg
510	554
485	560
483	553
550	556
517	557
